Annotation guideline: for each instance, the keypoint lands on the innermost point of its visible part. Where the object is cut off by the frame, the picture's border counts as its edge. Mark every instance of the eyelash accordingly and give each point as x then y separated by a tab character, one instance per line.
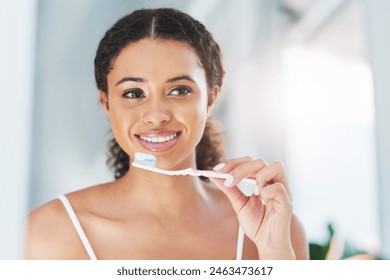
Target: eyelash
180	89
141	94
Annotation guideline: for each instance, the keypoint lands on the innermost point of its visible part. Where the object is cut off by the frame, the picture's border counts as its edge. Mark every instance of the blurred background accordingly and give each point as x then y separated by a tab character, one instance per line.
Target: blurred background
306	83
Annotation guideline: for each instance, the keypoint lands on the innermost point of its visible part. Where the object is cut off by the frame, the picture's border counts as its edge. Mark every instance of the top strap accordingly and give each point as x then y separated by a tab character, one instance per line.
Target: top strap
240	243
78	227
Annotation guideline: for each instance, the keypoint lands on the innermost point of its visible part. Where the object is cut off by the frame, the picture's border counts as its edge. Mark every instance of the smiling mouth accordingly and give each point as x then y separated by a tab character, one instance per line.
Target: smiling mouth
159	142
160	139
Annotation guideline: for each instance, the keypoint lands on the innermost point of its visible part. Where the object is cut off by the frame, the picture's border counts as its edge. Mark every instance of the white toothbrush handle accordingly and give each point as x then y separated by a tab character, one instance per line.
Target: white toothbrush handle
190	171
158	170
212	174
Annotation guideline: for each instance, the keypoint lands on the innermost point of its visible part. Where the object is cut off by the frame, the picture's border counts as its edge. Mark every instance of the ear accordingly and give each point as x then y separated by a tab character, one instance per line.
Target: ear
212	99
103	100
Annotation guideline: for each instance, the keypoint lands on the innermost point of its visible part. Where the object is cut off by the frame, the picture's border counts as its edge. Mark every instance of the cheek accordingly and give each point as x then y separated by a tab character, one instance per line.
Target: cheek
199	105
195	115
121	120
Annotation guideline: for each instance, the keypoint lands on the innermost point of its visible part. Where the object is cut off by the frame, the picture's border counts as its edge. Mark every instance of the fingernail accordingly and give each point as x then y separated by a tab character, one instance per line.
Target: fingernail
228	181
219	166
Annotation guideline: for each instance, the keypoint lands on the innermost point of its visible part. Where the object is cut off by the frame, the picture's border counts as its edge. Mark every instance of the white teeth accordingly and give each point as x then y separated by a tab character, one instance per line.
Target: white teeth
158	139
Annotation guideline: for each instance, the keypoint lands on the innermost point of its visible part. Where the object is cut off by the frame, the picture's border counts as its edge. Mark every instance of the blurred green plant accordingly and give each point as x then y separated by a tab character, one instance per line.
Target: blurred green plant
321	251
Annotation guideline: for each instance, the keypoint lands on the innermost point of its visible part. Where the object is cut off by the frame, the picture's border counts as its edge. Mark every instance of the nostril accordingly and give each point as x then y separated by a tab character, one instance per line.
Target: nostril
157	121
157	118
156	112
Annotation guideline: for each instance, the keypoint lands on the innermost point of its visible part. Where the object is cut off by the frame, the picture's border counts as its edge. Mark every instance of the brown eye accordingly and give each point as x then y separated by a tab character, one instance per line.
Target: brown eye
180	91
133	94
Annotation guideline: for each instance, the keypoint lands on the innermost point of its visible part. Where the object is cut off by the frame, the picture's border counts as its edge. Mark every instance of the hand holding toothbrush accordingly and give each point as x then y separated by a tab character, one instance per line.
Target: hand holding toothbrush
266	215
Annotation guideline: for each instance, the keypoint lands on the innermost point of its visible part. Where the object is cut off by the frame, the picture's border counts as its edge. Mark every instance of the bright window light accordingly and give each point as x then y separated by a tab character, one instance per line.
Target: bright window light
331	145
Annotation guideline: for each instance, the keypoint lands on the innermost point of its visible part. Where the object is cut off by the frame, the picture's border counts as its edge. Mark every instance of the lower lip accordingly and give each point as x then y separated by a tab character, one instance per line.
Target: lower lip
158	147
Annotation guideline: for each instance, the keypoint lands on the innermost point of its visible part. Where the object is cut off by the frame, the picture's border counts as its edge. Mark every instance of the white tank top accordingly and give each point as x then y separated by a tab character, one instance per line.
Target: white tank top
88	247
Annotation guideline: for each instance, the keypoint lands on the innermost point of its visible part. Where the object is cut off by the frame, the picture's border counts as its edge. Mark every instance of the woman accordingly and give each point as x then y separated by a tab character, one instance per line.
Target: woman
159	74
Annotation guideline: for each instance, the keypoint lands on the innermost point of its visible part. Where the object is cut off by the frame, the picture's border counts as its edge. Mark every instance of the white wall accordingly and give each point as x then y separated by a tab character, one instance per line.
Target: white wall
17	38
378	22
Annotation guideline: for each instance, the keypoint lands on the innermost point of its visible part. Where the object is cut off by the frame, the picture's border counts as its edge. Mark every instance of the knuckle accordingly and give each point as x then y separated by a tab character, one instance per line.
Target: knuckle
238	161
229	162
236	172
279	164
260	177
261	162
245	158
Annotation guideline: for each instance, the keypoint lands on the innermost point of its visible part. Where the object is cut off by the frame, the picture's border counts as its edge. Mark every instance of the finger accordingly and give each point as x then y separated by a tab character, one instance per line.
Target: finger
272	173
234	194
229	165
246	169
278	194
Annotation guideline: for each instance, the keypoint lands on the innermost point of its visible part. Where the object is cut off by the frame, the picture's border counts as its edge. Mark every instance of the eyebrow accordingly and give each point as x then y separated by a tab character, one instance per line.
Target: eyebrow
142	80
131	79
183	77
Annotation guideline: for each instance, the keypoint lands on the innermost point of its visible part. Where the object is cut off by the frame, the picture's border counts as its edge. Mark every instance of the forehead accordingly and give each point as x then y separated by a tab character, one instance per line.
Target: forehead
150	57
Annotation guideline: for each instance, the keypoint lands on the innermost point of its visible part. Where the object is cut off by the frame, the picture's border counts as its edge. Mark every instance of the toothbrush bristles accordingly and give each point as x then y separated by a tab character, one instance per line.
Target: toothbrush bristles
146	162
145	159
150	162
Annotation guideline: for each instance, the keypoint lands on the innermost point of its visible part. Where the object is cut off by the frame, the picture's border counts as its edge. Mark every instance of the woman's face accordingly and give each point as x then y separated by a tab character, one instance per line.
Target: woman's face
158	101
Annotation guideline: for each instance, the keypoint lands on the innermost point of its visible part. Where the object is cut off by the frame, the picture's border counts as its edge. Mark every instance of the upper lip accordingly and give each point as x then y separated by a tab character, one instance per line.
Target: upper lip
157	133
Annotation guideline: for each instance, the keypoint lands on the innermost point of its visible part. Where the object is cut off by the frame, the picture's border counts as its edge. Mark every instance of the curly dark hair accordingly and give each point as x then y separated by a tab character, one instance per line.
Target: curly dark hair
168	24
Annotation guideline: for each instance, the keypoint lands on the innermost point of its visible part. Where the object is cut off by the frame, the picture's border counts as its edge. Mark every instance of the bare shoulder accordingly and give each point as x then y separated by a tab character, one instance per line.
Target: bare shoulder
47	232
50	233
299	240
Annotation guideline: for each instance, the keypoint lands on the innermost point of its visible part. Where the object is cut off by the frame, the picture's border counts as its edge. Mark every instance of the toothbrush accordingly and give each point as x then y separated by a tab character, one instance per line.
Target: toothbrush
148	162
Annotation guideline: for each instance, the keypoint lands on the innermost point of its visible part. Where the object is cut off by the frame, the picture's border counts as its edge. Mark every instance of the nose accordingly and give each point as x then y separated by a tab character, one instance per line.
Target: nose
157	112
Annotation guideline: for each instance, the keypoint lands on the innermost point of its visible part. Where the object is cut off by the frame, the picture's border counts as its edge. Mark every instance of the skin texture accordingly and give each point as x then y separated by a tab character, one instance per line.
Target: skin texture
154	87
